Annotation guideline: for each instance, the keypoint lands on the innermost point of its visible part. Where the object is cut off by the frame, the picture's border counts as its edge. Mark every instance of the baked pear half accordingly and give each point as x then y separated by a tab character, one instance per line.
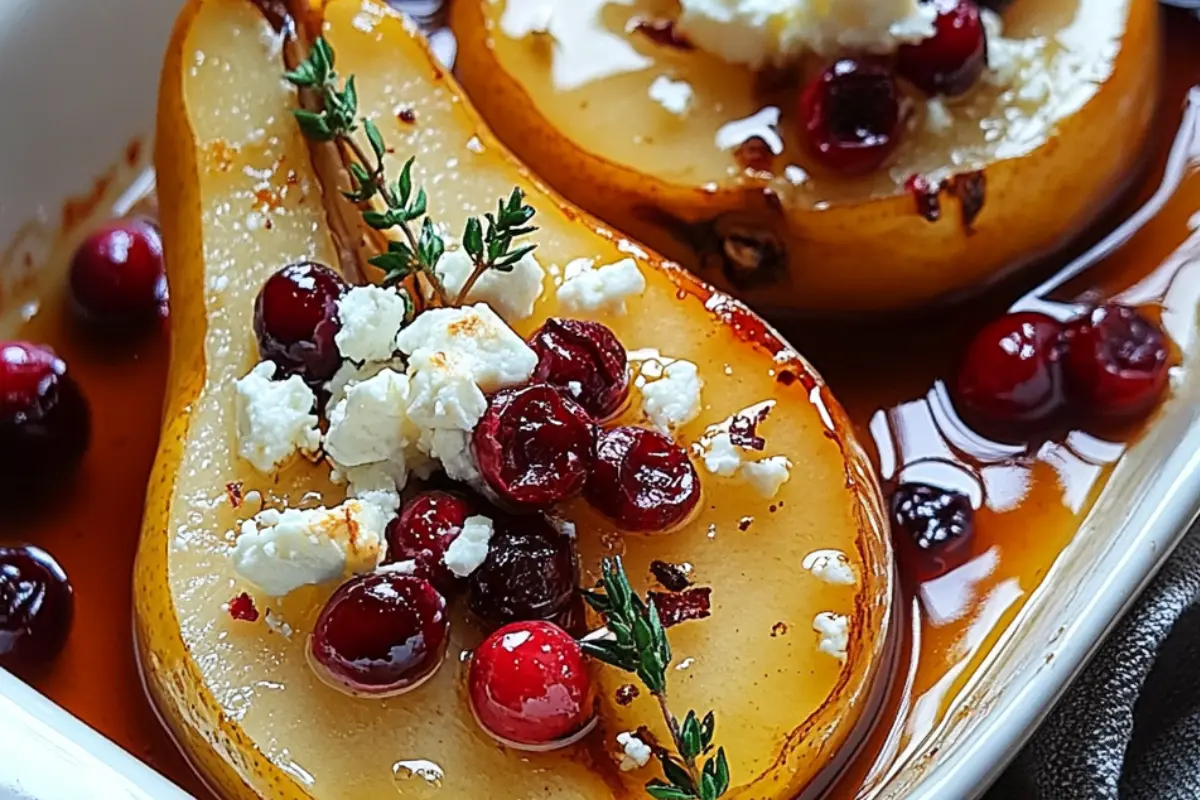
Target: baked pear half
711	162
240	197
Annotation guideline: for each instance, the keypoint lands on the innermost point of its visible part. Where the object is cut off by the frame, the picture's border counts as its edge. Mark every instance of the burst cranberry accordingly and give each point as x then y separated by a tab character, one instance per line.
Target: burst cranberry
534	447
851	115
380	634
642	480
44	421
1116	362
530	572
296	318
427	525
950	61
37	605
529	686
116	275
586	361
933	529
1012	371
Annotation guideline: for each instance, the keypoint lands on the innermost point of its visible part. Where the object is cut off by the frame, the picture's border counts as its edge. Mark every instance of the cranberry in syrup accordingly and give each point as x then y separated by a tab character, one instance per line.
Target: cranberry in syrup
933	529
850	114
296	318
585	360
427	524
642	480
116	276
37	605
529	686
530	572
950	61
1116	362
380	634
533	447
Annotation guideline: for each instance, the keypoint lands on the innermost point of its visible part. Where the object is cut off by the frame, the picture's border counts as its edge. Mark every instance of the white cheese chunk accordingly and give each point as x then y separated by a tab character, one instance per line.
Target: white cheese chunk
830	566
467	551
721	456
768	475
674	399
511	294
587	288
371	317
635	753
674	96
442	393
370	424
835	633
481	345
274	418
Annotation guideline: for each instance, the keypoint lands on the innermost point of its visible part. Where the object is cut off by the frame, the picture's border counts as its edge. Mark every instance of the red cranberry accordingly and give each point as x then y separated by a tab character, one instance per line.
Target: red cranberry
586	361
933	529
530	572
1012	371
642	480
851	114
951	61
296	318
427	525
1116	362
45	425
242	608
530	688
37	605
534	447
380	634
116	275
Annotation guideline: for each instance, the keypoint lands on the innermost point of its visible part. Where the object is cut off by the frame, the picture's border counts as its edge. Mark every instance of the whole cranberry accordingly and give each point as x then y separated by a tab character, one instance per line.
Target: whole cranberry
950	61
530	572
642	480
45	425
116	276
850	114
932	528
585	360
529	686
37	605
296	318
427	525
380	634
1012	371
533	447
1116	362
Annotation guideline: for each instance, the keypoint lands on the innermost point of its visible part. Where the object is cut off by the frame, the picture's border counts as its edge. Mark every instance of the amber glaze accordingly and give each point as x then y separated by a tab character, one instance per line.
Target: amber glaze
94	531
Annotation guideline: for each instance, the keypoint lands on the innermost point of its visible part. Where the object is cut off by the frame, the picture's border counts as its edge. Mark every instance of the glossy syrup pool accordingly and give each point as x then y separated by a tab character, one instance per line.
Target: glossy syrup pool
1031	503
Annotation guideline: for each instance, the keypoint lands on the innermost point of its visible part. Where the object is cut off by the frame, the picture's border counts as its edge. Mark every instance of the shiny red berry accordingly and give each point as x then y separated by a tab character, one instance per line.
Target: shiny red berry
533	447
37	605
585	360
950	61
642	480
850	115
1012	372
529	686
530	572
296	319
933	528
427	524
116	276
1116	362
380	634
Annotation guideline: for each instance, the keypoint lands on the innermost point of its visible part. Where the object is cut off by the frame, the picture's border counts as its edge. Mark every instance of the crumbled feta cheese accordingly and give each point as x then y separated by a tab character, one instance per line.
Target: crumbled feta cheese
830	566
674	399
511	294
279	551
442	393
674	96
479	343
721	456
468	550
835	633
937	116
635	753
379	483
768	475
453	449
370	424
349	373
586	287
274	418
371	317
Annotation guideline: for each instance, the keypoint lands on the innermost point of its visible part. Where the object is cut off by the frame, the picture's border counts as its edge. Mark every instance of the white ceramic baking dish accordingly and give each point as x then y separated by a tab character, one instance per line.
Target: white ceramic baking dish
78	81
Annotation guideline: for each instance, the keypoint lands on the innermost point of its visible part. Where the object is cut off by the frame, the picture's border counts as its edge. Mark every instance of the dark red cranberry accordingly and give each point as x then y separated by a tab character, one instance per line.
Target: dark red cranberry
380	634
533	447
530	572
1012	371
116	276
37	605
851	115
296	318
585	360
1116	362
932	528
950	61
45	425
642	480
427	525
529	686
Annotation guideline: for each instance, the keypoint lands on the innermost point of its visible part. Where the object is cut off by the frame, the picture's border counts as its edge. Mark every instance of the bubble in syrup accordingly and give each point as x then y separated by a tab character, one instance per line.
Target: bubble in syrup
417	778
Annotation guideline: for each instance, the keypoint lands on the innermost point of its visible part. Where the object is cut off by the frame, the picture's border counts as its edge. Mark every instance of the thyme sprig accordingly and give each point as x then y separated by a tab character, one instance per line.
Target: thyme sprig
637	643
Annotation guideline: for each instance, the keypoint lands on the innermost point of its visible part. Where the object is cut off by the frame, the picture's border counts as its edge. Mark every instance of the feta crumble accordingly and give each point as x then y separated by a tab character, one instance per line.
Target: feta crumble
835	633
469	549
674	96
721	456
830	566
674	399
511	294
479	343
370	423
769	475
371	317
587	288
274	418
635	753
937	116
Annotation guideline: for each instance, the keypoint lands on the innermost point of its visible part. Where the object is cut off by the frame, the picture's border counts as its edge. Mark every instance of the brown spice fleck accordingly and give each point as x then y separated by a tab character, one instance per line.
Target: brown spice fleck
407	115
971	190
743	430
786	377
673	577
268	199
744	523
927	196
133	151
626	694
233	491
755	154
242	608
676	607
779	629
221	154
660	31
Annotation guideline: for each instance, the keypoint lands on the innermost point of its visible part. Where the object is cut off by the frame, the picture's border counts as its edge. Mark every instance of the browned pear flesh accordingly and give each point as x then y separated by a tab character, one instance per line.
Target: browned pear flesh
239	199
1036	160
